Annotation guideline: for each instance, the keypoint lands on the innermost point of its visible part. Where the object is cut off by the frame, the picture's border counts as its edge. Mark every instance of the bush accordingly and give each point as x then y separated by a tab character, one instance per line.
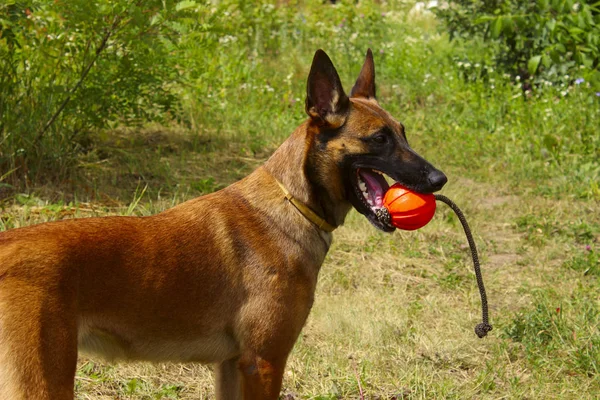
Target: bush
161	60
539	41
67	68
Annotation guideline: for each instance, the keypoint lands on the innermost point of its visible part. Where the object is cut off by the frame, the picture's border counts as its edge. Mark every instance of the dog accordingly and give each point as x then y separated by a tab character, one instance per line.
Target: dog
227	278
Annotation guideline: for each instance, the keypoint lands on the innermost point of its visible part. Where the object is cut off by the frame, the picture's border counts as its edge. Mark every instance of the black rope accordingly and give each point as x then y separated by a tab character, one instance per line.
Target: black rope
481	329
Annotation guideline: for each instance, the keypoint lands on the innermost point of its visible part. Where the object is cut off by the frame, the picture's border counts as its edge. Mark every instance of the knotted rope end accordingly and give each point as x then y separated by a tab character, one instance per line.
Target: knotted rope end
481	330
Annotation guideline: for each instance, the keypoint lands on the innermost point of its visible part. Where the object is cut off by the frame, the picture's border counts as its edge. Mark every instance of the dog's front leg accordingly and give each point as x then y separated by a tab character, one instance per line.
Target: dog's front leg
268	331
261	378
249	378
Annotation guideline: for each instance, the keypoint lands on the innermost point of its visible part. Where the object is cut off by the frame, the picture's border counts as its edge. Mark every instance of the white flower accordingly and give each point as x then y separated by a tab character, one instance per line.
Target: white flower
231	38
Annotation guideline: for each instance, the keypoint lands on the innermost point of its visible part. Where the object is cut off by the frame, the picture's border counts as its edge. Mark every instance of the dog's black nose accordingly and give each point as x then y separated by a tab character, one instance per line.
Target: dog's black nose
437	179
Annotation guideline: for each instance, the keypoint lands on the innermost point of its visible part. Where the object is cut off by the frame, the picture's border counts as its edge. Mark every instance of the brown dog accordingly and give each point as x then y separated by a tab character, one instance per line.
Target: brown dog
227	278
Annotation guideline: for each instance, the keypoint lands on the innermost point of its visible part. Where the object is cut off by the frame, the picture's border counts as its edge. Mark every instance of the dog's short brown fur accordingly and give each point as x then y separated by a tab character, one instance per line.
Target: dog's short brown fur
228	278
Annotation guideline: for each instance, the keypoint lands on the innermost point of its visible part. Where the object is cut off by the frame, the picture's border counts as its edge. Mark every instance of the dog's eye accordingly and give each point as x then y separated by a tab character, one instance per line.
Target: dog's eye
379	139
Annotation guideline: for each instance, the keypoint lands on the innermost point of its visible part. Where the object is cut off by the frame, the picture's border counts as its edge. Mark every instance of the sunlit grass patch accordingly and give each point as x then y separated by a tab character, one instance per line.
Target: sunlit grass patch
561	334
587	262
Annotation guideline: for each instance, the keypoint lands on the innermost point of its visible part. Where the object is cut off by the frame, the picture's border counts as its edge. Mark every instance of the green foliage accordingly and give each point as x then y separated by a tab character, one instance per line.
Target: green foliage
234	72
551	138
169	391
50	102
538	40
200	63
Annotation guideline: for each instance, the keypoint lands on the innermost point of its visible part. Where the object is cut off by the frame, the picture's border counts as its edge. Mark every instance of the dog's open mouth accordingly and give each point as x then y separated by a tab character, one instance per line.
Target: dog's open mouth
370	188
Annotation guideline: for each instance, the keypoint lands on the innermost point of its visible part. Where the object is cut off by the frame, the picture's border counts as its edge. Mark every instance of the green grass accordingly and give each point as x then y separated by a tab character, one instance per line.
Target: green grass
395	311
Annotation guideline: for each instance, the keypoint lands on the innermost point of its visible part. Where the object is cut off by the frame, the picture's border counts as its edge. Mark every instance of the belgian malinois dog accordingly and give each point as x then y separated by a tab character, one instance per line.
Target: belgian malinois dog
227	278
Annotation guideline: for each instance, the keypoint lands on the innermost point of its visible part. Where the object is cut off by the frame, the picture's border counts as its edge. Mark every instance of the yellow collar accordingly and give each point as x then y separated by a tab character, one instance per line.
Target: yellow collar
306	211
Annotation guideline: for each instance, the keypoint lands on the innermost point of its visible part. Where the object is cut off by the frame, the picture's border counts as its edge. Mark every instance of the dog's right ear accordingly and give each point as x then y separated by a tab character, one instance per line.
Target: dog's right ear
326	102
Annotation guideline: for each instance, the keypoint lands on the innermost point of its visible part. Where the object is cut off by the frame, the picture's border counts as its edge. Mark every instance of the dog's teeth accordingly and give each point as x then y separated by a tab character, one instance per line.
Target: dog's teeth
362	186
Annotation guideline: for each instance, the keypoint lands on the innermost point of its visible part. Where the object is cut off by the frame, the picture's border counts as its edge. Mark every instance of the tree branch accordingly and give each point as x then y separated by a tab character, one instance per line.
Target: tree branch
84	74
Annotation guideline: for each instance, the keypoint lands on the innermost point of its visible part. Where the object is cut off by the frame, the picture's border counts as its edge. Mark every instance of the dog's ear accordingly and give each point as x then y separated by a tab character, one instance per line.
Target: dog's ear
326	102
365	84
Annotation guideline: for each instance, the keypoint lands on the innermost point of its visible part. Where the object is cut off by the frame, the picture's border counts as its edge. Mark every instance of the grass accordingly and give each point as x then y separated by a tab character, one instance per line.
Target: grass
394	311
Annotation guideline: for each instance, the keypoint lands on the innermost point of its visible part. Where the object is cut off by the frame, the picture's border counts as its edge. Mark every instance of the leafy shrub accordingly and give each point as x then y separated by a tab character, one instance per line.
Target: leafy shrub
67	68
153	60
536	40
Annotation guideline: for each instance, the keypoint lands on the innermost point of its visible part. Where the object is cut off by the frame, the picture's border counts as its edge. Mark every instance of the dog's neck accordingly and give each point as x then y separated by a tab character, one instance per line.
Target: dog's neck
289	165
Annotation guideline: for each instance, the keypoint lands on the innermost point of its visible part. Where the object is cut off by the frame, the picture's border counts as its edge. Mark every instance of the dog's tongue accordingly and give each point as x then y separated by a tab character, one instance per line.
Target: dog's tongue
376	186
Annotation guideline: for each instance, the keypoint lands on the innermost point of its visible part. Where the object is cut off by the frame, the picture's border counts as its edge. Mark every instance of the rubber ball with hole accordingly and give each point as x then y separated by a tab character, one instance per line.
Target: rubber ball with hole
409	210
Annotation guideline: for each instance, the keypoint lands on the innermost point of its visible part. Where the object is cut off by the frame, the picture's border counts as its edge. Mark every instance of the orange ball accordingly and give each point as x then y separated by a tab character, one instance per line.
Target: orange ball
409	210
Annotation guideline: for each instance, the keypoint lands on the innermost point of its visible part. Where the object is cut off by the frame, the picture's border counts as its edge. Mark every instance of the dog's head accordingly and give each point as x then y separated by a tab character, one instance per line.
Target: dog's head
355	142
